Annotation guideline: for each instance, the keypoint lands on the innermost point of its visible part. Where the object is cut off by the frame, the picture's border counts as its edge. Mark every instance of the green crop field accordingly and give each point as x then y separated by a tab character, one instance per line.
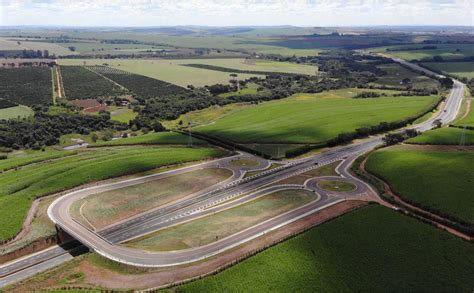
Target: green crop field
312	118
172	71
370	250
444	136
15	112
223	224
458	69
469	119
103	209
19	187
152	138
440	180
446	51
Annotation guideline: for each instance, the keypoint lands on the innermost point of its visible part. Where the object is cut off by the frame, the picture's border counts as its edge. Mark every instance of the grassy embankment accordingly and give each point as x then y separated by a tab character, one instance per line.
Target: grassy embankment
440	180
18	188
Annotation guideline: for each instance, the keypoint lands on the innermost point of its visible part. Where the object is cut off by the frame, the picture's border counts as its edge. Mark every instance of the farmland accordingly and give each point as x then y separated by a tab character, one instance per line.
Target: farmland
15	112
102	209
435	178
446	51
26	86
143	86
19	187
80	83
152	138
173	71
312	118
396	74
444	136
223	224
360	251
458	69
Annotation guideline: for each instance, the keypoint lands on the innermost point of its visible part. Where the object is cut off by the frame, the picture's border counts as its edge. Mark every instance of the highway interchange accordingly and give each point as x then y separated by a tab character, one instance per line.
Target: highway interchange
230	193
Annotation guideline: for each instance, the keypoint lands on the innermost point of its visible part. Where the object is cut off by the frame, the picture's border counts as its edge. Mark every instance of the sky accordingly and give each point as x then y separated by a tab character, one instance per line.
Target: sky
236	12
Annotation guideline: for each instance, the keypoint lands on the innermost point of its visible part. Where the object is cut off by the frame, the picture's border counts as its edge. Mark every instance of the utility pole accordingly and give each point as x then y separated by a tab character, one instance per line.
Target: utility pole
462	142
190	137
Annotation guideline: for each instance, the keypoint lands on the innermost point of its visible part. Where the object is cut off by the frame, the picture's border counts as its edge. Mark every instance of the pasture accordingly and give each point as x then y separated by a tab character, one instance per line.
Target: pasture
16	112
444	136
348	254
313	118
457	69
429	176
121	114
19	187
223	224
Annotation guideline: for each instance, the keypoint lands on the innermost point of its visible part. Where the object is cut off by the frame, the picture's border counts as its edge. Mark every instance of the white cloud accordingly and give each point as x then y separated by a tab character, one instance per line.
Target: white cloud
237	12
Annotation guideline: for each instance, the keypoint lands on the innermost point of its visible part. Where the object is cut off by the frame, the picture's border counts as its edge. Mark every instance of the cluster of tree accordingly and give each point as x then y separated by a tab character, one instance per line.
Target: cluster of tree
446	82
365	95
34	54
81	83
44	129
428	47
26	85
398	137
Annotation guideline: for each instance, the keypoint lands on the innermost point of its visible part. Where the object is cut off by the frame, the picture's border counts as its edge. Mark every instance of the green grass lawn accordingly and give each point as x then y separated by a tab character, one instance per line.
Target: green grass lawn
336	185
312	118
447	135
441	180
19	187
15	112
121	114
458	69
370	250
152	138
